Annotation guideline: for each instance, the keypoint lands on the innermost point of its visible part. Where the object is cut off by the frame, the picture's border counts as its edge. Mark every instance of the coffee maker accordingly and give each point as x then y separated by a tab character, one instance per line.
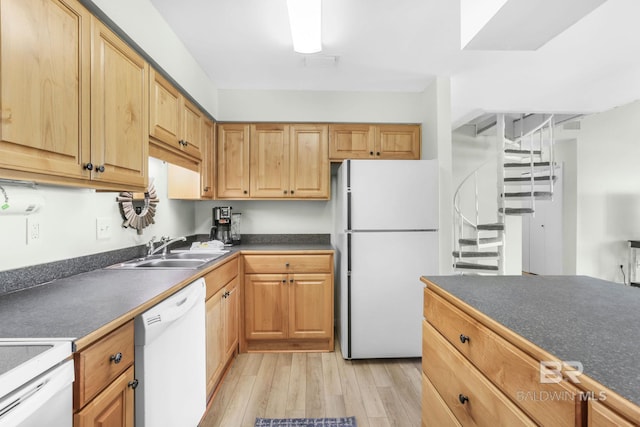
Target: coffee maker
221	225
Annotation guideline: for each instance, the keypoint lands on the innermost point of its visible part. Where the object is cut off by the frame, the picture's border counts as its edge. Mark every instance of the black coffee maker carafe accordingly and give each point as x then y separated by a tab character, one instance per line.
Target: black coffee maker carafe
221	225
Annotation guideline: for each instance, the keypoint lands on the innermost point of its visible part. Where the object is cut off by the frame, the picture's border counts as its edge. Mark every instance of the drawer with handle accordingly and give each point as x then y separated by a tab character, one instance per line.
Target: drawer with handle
100	363
469	395
283	263
509	368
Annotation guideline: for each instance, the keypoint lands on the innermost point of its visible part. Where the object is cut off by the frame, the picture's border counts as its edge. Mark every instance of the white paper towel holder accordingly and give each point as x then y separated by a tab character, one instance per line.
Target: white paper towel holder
20	204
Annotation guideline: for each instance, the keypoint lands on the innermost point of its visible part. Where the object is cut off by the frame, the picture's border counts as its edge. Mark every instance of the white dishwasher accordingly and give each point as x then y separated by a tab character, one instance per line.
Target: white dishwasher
170	362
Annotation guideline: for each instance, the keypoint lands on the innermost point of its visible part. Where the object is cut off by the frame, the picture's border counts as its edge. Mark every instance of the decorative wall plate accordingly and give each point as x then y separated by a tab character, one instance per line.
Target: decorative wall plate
138	209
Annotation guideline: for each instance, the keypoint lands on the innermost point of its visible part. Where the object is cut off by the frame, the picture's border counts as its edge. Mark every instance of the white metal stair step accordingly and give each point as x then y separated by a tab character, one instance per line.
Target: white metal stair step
522	152
496	226
475	254
528	194
526	179
474	266
526	165
516	211
481	242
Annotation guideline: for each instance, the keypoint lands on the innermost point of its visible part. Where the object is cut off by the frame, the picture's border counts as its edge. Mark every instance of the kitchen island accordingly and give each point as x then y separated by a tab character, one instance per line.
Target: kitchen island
514	331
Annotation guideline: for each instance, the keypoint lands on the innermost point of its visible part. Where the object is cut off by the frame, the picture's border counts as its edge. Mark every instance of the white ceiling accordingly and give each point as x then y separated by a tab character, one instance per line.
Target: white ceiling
402	45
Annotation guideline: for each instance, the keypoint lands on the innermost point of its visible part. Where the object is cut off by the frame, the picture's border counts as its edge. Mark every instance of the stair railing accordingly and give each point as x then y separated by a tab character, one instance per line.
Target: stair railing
462	221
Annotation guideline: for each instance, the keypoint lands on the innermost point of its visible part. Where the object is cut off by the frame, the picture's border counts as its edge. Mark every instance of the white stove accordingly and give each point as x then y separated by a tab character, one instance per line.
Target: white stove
36	377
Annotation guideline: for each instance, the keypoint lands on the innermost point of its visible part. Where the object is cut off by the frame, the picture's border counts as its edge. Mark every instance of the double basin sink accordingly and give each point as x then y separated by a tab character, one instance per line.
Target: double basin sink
174	260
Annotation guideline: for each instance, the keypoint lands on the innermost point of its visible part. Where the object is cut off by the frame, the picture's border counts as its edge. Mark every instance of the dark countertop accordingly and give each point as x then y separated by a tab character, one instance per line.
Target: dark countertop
575	318
78	305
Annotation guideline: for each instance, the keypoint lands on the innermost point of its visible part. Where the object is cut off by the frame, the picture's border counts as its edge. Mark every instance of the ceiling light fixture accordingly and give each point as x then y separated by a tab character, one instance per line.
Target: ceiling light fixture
306	25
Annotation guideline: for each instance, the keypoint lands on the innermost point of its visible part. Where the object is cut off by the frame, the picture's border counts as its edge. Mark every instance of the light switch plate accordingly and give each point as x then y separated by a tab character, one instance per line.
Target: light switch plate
103	228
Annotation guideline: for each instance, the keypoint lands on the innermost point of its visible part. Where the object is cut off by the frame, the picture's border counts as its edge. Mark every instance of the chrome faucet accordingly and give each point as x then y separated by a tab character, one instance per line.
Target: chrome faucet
150	245
166	241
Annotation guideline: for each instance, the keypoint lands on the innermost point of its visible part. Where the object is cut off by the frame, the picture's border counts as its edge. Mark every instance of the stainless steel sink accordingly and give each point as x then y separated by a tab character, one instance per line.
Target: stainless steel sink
171	263
180	260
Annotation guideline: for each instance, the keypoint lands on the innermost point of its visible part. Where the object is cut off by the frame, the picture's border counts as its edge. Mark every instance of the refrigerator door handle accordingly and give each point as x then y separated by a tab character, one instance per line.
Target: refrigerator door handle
348	296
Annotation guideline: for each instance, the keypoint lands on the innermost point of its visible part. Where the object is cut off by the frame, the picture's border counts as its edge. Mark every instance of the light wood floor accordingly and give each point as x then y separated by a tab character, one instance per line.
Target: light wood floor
381	392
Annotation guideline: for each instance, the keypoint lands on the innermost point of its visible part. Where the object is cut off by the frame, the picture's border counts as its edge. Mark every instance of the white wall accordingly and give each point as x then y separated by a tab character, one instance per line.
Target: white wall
317	106
68	223
437	144
608	185
142	22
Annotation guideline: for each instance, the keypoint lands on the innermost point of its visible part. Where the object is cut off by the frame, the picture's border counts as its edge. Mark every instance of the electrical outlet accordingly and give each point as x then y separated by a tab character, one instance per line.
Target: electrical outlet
33	230
103	228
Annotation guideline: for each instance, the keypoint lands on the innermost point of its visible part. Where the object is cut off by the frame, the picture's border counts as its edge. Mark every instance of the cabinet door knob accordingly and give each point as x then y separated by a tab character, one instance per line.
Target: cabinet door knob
116	358
186	143
291	191
89	166
206	188
100	168
245	191
285	191
462	398
133	384
286	264
284	280
377	153
371	153
290	280
464	338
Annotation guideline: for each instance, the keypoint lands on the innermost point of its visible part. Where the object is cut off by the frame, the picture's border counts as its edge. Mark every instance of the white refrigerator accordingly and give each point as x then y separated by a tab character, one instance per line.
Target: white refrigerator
386	237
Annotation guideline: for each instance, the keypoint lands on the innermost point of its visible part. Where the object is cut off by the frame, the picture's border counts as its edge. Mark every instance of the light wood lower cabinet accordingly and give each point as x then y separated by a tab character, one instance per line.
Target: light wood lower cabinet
221	320
113	407
103	391
288	302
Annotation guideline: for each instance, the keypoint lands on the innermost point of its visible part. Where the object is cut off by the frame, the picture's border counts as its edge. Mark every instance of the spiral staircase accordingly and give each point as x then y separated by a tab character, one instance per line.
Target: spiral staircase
524	172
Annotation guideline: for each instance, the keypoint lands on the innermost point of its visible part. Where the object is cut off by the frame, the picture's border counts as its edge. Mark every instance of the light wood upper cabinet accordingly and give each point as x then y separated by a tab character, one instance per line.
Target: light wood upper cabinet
289	161
309	157
207	164
74	102
351	141
119	110
232	161
397	141
175	123
269	170
164	110
362	141
45	82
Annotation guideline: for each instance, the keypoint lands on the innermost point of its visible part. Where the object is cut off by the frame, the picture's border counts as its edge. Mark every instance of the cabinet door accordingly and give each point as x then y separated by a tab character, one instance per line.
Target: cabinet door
269	161
310	306
214	330
119	116
112	407
45	80
206	166
165	106
351	141
191	129
398	142
265	306
310	169
231	318
232	161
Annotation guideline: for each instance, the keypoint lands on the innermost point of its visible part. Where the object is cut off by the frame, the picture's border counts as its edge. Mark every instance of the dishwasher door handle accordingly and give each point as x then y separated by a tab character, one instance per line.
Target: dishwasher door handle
151	323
